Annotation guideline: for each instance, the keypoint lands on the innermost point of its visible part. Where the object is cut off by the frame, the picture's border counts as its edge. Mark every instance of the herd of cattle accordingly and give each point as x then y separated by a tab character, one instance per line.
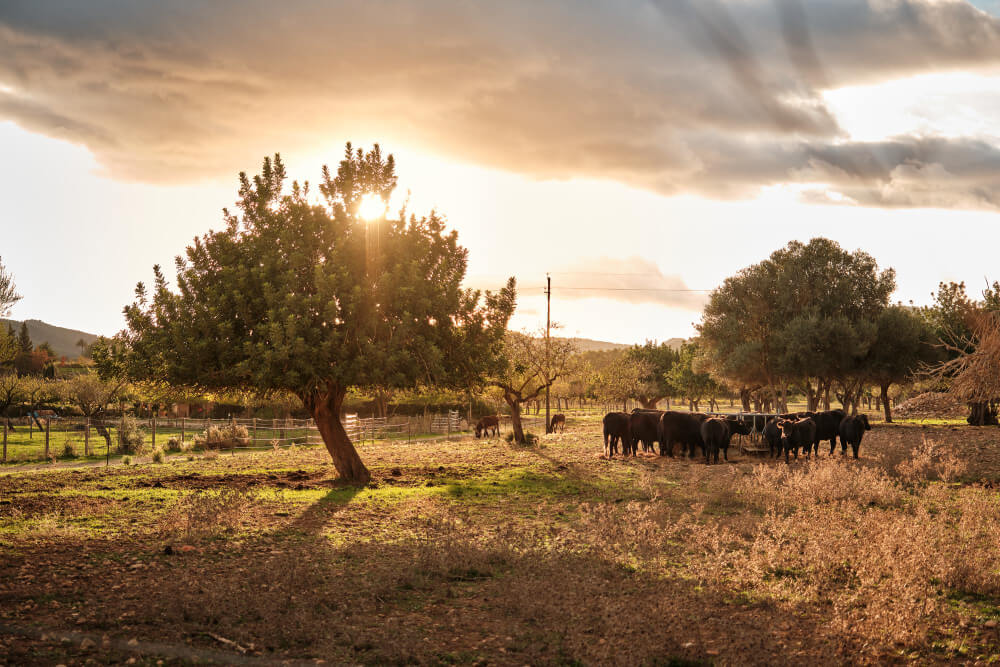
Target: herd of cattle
786	433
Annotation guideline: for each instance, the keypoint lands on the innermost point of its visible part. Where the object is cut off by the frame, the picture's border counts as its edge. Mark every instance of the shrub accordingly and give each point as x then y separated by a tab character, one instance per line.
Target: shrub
69	450
131	437
126	460
529	438
223	437
175	444
158	455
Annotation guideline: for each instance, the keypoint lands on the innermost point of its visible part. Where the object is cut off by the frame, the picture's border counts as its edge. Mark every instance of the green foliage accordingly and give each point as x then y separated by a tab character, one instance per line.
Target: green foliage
688	379
158	455
657	360
89	393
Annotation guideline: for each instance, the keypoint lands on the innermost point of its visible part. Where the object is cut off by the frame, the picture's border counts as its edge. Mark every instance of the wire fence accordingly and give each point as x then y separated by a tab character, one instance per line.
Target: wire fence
46	438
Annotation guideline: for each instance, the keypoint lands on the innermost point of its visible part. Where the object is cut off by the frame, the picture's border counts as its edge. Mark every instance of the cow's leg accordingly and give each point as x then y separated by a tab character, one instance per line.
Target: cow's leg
855	447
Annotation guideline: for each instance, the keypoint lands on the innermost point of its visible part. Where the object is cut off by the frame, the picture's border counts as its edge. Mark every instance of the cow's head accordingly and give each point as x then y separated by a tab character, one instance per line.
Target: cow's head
737	425
864	420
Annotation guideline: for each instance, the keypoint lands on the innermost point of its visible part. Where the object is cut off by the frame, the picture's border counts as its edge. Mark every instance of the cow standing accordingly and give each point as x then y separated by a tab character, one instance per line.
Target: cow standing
616	429
716	434
487	424
852	430
644	428
558	423
683	428
797	433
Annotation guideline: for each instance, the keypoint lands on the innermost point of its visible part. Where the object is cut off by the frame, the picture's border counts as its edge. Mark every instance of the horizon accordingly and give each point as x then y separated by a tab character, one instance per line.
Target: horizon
795	121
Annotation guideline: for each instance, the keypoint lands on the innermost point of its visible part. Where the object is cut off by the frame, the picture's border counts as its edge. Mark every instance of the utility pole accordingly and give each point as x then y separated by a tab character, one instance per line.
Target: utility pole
548	323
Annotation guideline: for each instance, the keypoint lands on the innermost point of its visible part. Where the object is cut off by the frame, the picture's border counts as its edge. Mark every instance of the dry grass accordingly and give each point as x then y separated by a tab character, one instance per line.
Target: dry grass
473	551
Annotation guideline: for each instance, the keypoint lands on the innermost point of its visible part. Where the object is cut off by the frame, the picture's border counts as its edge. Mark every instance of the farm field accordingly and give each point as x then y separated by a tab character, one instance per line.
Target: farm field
483	552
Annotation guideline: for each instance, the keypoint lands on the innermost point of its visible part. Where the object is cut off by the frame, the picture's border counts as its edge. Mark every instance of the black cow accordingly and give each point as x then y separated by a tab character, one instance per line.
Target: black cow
772	435
683	428
828	427
487	424
797	433
644	427
616	428
716	434
558	423
852	429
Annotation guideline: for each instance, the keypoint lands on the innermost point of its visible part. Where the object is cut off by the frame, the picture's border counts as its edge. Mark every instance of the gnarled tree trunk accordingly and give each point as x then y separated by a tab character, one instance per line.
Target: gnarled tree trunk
884	398
324	404
515	417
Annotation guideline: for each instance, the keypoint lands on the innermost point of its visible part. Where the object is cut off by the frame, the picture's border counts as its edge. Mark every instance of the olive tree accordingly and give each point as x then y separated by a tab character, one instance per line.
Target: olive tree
301	294
529	364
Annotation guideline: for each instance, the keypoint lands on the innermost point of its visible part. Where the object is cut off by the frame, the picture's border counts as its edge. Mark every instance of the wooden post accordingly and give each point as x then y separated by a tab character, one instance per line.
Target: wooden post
86	437
47	437
254	441
154	431
182	430
5	441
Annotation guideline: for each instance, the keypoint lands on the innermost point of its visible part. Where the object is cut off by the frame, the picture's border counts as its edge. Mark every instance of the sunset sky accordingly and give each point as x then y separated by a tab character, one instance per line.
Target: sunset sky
640	152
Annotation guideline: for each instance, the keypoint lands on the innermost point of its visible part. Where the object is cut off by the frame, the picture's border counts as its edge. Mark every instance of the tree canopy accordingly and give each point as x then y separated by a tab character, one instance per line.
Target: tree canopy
804	316
297	293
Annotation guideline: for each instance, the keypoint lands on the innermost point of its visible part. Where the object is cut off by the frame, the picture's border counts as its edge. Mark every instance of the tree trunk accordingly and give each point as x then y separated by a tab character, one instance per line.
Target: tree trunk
826	395
649	403
884	397
325	408
745	399
515	418
812	398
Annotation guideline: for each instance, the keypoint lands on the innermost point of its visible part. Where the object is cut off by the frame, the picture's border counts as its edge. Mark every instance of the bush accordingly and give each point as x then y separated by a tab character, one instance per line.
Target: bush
529	438
224	437
70	450
158	455
175	444
131	437
126	460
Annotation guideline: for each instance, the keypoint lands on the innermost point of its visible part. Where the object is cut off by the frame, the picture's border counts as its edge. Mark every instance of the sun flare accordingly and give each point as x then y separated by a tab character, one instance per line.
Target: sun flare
372	207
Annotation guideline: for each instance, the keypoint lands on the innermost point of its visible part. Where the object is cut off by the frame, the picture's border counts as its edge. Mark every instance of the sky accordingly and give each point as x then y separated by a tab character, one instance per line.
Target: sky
638	152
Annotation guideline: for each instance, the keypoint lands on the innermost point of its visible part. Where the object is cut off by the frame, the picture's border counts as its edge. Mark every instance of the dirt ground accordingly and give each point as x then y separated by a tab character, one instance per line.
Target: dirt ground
481	552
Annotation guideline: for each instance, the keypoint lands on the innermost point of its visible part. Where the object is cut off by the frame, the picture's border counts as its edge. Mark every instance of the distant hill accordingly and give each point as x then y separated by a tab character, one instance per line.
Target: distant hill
60	339
588	345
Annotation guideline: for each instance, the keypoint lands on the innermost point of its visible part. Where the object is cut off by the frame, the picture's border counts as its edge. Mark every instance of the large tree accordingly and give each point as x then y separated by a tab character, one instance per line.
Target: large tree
804	316
8	297
301	294
904	343
658	360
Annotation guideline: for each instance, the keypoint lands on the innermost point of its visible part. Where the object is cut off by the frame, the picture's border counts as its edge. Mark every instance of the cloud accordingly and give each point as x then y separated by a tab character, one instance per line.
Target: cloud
630	280
718	98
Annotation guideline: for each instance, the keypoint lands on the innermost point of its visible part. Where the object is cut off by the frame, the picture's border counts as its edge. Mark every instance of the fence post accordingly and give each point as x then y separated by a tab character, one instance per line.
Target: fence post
5	441
47	437
254	441
182	430
154	431
86	437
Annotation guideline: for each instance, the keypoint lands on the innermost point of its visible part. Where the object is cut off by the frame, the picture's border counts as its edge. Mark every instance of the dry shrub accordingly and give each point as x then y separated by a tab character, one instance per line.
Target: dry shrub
223	437
207	513
784	488
930	405
931	461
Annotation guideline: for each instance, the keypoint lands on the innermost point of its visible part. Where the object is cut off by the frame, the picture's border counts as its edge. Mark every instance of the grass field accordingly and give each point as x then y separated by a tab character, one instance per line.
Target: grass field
481	552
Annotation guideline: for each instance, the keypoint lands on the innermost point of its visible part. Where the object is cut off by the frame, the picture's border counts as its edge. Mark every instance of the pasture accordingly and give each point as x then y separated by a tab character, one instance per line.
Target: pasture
483	552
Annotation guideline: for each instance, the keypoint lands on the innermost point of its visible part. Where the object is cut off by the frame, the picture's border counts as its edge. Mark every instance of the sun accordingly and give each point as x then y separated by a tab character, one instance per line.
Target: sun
372	207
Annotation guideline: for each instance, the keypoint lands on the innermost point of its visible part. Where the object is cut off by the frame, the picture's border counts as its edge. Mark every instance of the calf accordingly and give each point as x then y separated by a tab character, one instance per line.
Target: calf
558	423
680	427
644	427
797	433
716	434
616	428
487	424
852	429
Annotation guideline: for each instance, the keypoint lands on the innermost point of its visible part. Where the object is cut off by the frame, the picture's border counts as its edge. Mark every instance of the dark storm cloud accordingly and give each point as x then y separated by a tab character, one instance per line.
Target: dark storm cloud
677	96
